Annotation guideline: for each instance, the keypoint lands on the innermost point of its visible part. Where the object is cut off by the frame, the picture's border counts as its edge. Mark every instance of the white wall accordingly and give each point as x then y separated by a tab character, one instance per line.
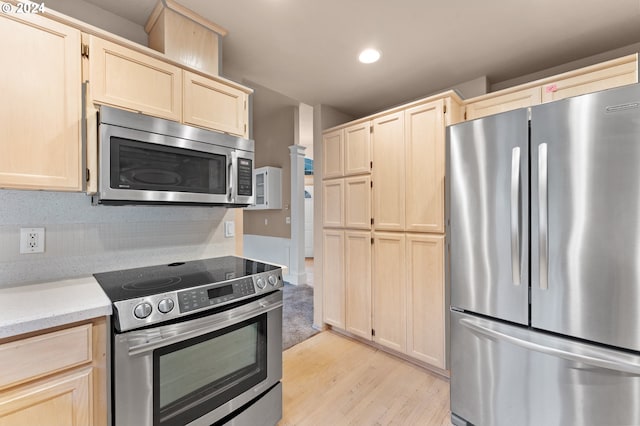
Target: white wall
98	17
81	239
569	66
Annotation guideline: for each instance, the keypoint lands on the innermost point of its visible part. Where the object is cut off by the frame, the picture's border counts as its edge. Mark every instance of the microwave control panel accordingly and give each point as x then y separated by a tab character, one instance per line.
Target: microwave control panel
245	177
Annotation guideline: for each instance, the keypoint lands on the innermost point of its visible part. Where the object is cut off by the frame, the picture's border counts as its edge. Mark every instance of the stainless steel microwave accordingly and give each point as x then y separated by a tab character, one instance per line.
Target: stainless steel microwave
148	160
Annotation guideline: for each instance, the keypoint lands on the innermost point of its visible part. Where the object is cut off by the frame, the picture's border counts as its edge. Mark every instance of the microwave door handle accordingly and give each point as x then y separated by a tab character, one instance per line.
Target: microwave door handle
230	175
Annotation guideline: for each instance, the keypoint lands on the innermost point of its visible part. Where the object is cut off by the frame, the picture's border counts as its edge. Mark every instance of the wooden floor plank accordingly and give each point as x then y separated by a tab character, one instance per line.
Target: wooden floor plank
330	379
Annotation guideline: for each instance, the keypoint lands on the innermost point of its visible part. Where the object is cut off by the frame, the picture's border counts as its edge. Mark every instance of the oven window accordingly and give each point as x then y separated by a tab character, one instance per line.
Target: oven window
146	166
194	377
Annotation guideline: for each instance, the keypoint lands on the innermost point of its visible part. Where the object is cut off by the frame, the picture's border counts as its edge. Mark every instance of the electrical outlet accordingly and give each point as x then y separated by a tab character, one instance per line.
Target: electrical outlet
31	240
287	220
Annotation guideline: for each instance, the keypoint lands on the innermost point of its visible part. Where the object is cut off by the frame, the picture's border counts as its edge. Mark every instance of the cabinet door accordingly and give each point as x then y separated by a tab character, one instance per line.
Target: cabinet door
214	105
124	78
60	400
618	72
332	158
357	149
388	172
389	290
501	103
426	299
333	278
333	203
357	201
40	112
357	261
424	156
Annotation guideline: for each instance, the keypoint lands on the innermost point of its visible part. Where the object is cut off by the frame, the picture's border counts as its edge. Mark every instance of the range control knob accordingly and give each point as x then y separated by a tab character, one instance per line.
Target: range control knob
261	283
273	280
142	310
165	306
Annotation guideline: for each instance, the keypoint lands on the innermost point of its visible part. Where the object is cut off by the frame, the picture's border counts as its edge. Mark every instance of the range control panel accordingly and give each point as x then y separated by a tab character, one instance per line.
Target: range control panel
199	298
206	296
140	312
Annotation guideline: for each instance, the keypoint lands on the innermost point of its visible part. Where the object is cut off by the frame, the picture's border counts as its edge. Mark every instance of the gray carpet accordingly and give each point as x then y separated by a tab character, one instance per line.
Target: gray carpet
297	314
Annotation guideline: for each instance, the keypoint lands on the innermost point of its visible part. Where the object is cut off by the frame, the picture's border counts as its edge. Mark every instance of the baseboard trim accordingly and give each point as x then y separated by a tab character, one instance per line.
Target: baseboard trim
435	370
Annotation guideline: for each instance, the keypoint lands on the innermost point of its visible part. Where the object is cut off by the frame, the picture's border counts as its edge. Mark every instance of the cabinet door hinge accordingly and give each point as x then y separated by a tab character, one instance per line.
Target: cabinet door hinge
88	174
84	50
373	332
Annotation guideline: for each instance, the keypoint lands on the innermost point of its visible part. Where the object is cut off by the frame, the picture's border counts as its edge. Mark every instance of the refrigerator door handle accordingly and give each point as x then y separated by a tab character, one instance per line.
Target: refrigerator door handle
543	245
515	215
594	356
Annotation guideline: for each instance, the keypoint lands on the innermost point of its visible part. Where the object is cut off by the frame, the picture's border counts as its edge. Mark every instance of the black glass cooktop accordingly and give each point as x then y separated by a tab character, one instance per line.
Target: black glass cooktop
146	281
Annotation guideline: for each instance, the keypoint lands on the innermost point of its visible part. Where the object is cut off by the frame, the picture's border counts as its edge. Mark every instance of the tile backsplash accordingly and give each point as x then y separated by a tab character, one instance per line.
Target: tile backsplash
81	239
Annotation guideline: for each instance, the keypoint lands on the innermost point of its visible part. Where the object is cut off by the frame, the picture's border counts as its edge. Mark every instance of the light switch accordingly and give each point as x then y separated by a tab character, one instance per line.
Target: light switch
229	229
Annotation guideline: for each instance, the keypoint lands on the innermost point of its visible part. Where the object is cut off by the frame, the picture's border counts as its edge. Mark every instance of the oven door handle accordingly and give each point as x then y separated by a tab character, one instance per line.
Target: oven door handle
144	341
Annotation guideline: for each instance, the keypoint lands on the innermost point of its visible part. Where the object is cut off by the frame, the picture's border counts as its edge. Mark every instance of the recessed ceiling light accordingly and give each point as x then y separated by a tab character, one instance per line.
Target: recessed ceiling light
369	56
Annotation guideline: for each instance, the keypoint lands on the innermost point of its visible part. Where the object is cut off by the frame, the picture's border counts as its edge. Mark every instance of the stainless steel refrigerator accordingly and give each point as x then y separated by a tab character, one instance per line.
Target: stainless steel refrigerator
543	257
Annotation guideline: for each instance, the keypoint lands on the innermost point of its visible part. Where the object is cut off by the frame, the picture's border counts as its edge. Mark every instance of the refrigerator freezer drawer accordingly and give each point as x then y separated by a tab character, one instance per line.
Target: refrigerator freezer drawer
508	375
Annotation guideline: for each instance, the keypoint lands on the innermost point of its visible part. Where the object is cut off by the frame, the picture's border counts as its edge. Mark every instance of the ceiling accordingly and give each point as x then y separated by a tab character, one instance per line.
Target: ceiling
307	49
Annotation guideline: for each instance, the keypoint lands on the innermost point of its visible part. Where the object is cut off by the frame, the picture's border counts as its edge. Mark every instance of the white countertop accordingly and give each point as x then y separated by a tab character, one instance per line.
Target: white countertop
39	306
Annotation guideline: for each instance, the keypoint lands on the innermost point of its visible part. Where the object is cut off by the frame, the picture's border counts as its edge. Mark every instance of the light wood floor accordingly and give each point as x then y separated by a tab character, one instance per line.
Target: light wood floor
332	380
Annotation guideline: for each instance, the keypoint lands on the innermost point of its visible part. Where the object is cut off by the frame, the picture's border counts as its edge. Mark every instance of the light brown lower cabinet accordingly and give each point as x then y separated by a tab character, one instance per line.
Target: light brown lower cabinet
426	302
391	292
59	401
333	277
56	377
357	270
347	280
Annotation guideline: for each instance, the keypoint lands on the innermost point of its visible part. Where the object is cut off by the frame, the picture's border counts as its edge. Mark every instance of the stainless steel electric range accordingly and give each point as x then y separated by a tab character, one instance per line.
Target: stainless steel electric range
196	343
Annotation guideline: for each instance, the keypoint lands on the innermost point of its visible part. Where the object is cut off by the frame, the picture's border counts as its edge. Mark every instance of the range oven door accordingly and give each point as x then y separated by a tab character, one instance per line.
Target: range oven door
198	371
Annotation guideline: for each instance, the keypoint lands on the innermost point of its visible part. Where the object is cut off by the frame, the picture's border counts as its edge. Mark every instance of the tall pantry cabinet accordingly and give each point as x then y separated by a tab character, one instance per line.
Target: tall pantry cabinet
383	274
346	236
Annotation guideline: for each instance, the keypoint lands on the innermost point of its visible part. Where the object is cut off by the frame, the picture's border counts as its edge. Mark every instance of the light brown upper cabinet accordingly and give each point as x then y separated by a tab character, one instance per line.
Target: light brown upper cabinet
211	104
424	167
408	169
389	172
357	149
333	202
602	76
125	78
332	154
347	151
357	202
615	73
40	112
490	104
